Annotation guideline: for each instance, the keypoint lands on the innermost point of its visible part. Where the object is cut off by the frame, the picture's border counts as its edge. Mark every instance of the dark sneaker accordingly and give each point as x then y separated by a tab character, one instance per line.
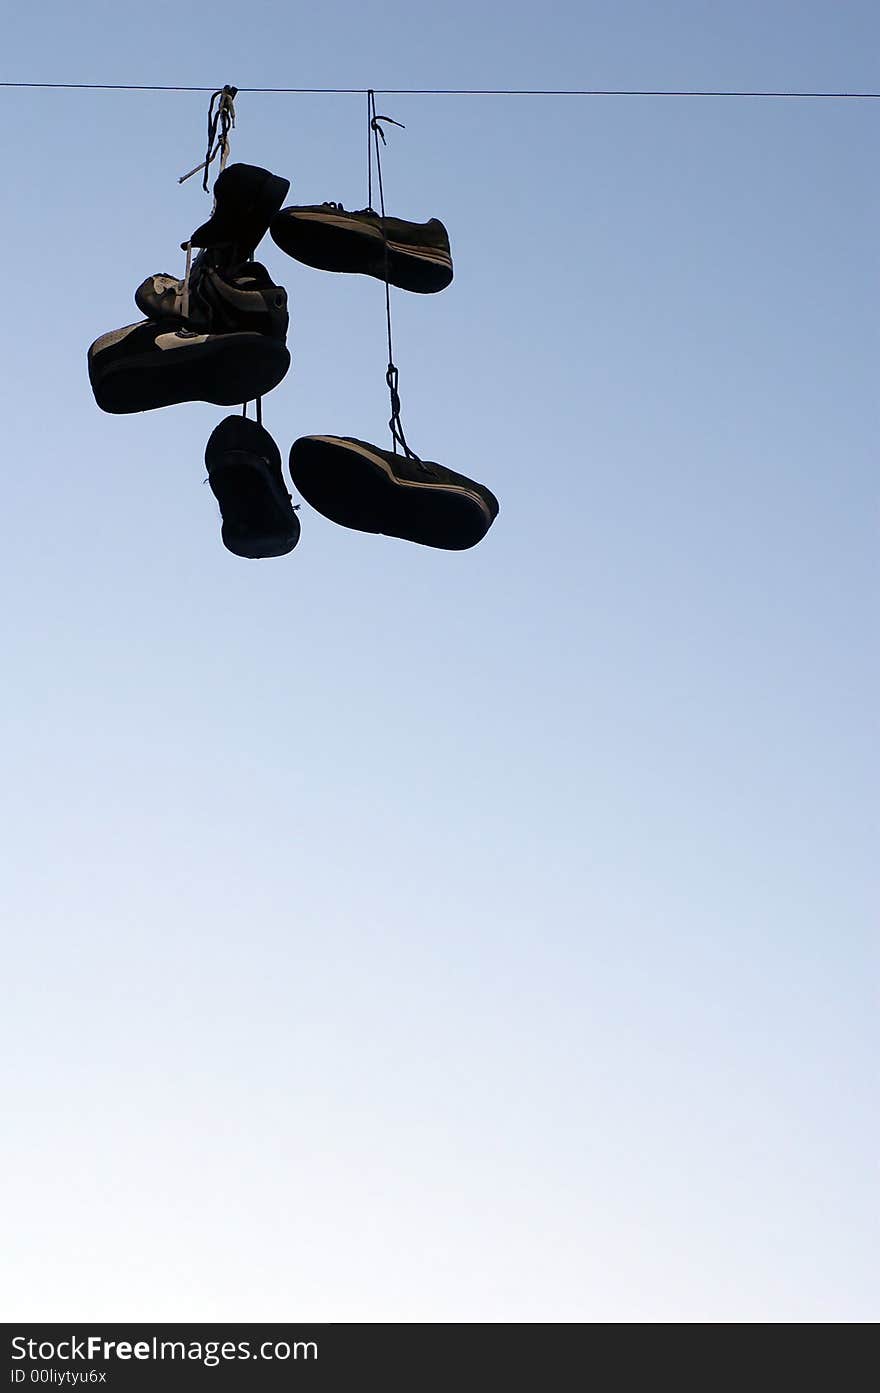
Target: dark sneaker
241	299
244	471
328	237
246	198
359	485
146	365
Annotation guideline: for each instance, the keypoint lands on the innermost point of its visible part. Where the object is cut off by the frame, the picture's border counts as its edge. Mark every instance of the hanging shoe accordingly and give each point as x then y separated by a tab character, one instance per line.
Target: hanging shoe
331	239
244	471
241	298
246	198
359	485
144	366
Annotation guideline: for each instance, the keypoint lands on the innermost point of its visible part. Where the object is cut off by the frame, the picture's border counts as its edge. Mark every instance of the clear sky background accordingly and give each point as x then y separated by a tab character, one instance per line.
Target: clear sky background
403	935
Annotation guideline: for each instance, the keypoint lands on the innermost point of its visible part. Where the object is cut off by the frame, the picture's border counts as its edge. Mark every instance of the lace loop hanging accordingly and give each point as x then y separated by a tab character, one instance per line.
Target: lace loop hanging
221	119
392	377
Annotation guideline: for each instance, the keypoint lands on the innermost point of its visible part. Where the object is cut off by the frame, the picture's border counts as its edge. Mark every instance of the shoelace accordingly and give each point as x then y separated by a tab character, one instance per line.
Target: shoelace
392	377
352	212
221	119
394	421
235	276
184	285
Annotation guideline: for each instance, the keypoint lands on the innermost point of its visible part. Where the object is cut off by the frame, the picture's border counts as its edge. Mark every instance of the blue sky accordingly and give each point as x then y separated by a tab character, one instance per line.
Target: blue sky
400	935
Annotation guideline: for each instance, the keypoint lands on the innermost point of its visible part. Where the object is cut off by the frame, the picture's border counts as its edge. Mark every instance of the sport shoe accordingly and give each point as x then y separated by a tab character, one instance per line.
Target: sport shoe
244	471
242	298
246	198
358	485
144	366
331	239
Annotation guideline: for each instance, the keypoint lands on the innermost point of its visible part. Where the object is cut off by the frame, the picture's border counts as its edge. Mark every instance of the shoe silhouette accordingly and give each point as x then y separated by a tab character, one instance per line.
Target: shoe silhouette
246	198
145	366
362	486
413	256
244	472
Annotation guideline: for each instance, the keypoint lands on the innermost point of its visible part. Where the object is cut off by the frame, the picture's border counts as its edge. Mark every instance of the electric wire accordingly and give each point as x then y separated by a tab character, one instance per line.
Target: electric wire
453	91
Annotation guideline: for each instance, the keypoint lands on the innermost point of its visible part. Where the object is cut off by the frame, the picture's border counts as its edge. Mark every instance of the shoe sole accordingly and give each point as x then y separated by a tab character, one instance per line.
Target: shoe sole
331	243
262	550
254	219
356	488
225	372
231	480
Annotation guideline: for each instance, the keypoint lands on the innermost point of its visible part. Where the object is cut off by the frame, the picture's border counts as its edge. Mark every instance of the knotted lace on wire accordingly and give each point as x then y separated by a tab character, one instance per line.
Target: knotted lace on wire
374	131
221	119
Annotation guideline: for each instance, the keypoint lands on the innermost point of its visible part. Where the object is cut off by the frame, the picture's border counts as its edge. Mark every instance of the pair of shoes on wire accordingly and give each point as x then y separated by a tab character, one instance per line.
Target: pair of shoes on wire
349	481
359	485
219	334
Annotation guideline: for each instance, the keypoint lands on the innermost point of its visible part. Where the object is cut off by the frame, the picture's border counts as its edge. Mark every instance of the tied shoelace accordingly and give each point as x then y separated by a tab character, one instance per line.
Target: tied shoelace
395	423
195	308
